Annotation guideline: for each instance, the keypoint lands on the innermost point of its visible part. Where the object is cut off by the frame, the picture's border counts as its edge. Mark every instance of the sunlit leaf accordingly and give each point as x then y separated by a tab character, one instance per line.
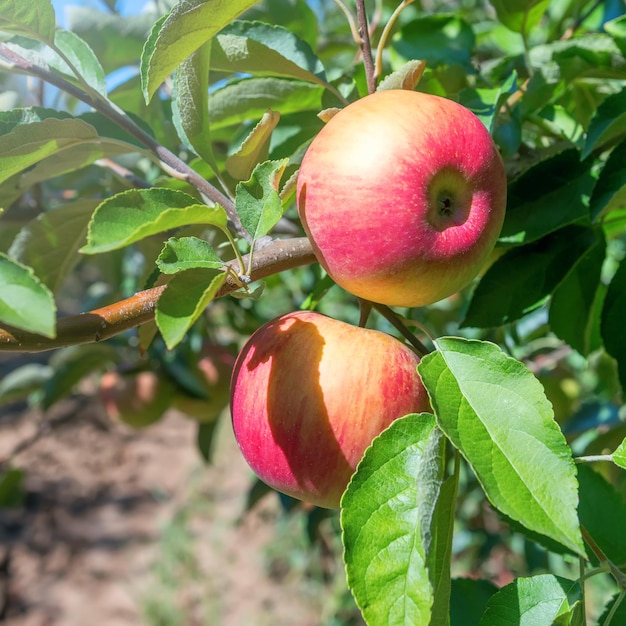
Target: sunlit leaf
619	456
187	253
132	215
24	301
34	18
608	122
387	517
612	325
521	16
496	413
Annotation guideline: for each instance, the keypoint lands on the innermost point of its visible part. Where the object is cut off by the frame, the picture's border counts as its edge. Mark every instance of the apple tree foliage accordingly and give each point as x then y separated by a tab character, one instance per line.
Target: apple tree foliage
147	176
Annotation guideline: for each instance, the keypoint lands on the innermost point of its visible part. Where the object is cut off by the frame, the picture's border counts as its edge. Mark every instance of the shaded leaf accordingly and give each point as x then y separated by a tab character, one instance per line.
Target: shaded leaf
521	16
536	601
578	292
257	200
468	600
11	488
407	77
524	278
486	103
387	516
612	327
206	439
610	190
132	215
183	301
50	243
20	382
188	25
254	149
34	18
608	122
496	413
561	183
24	301
187	253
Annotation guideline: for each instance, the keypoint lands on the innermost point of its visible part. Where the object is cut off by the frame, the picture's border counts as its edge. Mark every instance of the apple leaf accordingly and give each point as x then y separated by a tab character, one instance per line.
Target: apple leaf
190	105
579	292
607	123
187	253
496	413
387	516
265	50
257	200
438	40
615	609
250	98
21	381
27	144
82	58
254	149
50	243
523	279
541	600
561	182
468	600
617	29
610	190
612	326
24	301
520	16
132	215
176	36
602	512
183	301
619	456
34	19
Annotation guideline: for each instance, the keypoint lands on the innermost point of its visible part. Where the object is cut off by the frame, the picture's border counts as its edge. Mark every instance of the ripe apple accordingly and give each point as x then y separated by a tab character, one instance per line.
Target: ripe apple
402	195
308	396
212	373
138	399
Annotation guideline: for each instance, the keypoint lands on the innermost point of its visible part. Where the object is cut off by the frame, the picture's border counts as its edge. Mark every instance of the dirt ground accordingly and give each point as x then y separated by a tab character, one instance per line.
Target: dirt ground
120	527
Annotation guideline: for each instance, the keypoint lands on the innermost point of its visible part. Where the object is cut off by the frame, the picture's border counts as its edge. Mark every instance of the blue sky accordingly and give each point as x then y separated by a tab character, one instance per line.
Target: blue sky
126	7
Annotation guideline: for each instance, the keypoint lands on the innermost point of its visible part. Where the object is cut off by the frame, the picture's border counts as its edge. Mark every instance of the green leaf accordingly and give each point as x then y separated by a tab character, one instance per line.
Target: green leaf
190	105
521	16
19	383
612	327
486	103
34	19
535	601
387	517
82	58
50	243
578	292
265	50
602	512
617	29
189	25
616	608
11	488
254	149
257	200
250	98
608	123
438	40
610	190
619	456
562	183
187	253
24	301
468	600
28	144
184	300
132	215
524	278
496	413
206	439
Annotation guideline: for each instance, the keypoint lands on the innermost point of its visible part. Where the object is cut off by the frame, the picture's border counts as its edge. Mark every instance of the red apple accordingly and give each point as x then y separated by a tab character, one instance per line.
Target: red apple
310	393
138	399
402	195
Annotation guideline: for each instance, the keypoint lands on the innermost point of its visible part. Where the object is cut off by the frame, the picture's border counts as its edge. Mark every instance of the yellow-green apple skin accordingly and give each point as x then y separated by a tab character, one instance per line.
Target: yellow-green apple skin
308	396
402	195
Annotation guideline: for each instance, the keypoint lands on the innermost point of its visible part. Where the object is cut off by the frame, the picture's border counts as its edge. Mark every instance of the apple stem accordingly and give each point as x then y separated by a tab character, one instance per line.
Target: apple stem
365	308
398	324
366	46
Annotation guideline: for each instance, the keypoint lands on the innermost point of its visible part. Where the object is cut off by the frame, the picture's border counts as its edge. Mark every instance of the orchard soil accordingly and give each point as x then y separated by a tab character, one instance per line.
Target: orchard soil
120	527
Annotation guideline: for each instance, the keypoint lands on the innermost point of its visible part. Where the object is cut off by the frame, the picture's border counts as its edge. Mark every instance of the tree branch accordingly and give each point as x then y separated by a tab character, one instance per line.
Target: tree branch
111	320
109	110
366	46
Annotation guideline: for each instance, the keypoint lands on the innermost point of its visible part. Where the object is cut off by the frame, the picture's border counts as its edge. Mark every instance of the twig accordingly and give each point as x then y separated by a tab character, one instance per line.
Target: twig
397	323
116	115
366	46
111	320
